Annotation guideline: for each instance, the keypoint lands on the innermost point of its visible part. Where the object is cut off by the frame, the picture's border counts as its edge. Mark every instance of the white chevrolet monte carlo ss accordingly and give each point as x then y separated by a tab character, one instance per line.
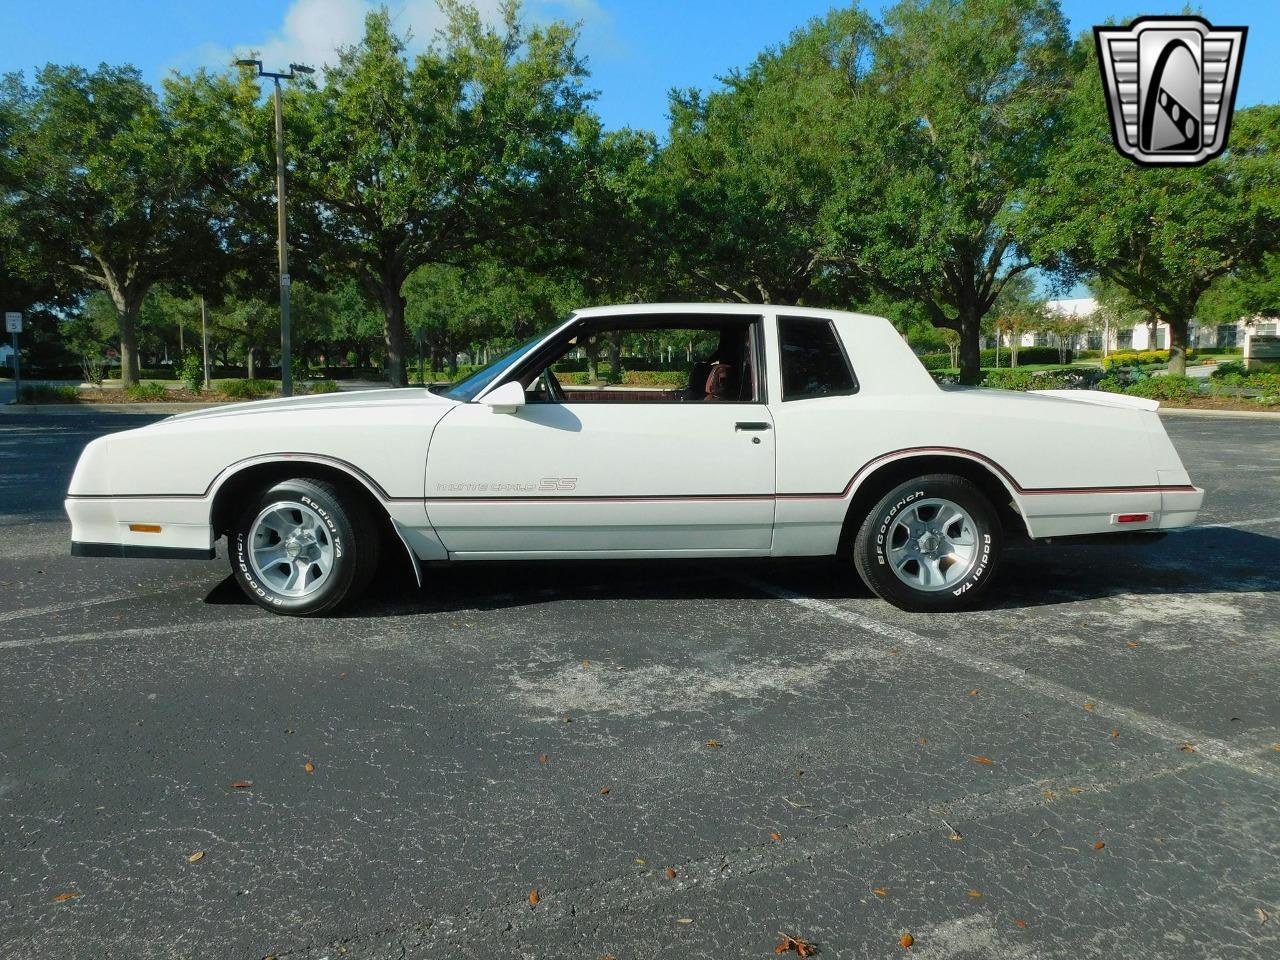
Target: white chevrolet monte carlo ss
801	432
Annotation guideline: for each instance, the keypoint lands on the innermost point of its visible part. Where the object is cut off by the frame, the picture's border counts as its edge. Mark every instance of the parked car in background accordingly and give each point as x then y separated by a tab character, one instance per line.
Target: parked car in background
796	432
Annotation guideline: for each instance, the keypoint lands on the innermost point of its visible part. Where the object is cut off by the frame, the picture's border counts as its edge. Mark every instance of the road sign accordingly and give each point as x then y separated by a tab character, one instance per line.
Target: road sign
13	322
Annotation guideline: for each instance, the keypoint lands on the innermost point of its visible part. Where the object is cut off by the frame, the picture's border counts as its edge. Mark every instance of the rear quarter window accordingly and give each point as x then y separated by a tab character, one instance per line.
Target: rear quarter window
814	363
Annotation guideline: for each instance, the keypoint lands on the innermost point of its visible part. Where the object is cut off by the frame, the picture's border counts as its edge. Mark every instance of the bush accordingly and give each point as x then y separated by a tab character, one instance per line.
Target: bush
248	389
45	393
323	386
1110	384
935	361
1230	368
1219	351
656	378
1026	356
1165	388
191	371
1268	383
1140	358
146	373
1063	378
146	391
93	366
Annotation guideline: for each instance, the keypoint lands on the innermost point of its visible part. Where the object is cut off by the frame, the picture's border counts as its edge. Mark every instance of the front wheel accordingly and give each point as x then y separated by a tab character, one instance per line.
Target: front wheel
930	545
303	546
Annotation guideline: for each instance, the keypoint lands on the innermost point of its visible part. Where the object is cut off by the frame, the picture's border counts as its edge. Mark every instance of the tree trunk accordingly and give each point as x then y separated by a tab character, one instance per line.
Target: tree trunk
591	349
128	304
1177	346
248	361
129	371
615	351
970	348
393	332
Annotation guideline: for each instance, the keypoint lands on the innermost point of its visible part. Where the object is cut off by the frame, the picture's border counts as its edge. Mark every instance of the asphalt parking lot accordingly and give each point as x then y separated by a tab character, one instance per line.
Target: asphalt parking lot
1088	767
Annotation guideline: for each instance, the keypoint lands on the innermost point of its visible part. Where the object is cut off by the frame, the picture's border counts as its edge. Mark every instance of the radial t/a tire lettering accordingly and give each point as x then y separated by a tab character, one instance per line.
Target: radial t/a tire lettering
930	544
303	546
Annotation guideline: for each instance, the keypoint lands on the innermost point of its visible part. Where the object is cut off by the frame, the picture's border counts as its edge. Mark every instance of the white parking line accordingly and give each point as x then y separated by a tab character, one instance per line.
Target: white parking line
1232	525
960	653
27	612
114	634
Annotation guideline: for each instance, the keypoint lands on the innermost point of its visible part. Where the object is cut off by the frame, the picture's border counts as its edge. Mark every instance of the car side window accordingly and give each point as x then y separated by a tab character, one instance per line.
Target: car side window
702	360
813	360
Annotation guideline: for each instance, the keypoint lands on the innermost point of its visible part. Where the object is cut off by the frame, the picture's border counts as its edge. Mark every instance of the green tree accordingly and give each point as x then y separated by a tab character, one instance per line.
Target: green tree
94	180
1117	310
599	224
408	163
748	169
1253	292
958	117
486	303
1162	235
1017	310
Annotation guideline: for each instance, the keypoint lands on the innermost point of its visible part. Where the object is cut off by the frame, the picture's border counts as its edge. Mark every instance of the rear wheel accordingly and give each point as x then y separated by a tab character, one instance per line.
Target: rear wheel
930	544
303	546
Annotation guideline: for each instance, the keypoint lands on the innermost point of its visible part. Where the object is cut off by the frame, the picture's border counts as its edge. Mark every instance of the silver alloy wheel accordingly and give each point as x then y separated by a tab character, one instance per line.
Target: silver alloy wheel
932	545
290	549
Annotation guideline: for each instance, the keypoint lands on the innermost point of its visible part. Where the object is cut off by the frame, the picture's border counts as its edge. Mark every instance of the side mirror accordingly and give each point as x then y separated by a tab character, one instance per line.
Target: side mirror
508	398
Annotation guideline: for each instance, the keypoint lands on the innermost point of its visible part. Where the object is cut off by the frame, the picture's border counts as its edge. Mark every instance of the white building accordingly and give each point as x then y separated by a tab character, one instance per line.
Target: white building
1138	336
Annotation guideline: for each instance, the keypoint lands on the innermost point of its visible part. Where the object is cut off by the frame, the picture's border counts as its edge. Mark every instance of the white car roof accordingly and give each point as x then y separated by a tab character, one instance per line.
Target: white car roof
749	309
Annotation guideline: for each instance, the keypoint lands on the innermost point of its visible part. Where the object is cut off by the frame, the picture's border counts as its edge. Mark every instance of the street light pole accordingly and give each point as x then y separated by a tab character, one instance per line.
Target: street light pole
204	340
286	337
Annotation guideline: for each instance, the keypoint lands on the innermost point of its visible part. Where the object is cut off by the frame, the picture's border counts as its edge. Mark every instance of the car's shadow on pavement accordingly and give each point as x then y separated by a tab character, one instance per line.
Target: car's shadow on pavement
1197	561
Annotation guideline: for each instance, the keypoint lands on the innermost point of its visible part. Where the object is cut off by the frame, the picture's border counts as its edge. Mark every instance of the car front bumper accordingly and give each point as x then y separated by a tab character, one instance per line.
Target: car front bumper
162	528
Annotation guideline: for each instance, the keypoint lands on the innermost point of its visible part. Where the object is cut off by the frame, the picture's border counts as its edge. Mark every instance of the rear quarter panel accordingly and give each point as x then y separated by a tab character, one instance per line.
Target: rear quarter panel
1054	456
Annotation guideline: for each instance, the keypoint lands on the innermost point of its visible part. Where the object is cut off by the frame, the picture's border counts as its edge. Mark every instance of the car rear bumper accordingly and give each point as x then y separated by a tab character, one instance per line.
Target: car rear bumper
1179	508
1073	514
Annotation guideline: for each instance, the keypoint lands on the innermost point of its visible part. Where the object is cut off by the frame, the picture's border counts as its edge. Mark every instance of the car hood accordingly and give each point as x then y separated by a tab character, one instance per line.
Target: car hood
363	399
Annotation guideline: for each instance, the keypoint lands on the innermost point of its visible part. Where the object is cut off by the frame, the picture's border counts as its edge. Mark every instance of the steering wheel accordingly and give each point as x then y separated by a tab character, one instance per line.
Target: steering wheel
554	391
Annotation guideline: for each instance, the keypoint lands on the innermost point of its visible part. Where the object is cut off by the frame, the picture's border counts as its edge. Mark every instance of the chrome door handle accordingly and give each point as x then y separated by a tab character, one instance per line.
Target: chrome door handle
750	425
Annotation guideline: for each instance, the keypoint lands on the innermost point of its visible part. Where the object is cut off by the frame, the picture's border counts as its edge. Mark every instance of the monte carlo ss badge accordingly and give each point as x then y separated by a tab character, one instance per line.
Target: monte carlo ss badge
1171	85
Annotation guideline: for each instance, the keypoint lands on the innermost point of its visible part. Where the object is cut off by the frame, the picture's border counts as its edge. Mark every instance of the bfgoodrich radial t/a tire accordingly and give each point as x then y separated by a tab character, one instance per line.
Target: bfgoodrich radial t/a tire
303	546
930	544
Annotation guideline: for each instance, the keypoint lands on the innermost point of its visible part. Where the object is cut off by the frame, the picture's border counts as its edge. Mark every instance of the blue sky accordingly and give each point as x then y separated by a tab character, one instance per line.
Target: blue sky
637	49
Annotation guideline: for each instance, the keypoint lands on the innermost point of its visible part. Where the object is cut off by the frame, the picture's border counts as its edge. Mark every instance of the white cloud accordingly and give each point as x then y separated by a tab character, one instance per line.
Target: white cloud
313	30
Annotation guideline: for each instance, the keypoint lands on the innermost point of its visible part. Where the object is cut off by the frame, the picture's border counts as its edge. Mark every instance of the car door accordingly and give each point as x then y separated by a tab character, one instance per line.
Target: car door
590	479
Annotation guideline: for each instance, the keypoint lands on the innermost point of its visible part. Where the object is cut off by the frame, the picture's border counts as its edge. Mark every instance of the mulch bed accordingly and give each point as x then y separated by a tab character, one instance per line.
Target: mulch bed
108	395
1219	403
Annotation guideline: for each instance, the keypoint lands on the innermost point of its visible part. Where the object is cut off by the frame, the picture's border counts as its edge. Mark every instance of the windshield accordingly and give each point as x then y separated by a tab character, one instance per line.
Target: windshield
466	390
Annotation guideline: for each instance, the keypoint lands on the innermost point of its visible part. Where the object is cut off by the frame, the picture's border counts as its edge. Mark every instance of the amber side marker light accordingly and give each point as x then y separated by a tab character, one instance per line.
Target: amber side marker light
1127	518
144	527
